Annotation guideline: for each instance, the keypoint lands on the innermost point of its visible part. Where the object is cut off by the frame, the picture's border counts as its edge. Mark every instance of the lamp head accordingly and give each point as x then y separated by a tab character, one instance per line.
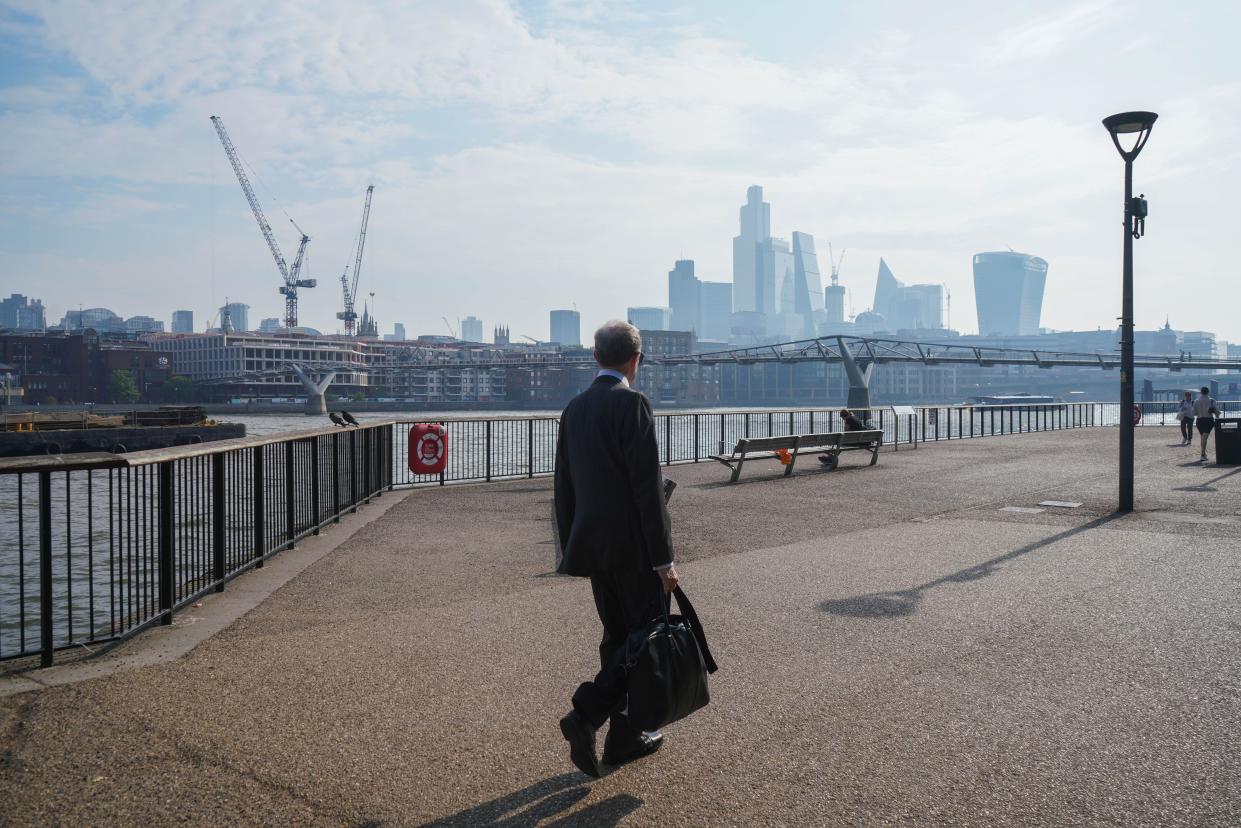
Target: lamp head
1130	123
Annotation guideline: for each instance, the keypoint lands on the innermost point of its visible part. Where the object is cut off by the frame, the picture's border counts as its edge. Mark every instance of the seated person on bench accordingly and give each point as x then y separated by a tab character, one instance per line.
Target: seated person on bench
851	422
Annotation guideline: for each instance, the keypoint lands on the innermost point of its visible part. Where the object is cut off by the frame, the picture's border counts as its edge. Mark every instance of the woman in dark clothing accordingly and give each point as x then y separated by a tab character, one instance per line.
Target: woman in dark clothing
851	421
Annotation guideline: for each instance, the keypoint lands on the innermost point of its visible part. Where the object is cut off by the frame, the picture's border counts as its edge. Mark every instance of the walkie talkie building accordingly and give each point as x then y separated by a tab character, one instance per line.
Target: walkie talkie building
1008	290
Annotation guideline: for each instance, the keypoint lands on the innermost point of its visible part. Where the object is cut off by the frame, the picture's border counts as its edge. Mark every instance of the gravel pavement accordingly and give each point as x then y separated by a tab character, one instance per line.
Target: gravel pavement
895	648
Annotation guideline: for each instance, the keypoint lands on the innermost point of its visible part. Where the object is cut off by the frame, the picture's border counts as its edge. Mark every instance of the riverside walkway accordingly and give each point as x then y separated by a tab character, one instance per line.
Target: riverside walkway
895	647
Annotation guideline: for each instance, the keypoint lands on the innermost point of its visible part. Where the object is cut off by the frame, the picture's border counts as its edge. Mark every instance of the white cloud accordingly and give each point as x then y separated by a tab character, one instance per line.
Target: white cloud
1044	36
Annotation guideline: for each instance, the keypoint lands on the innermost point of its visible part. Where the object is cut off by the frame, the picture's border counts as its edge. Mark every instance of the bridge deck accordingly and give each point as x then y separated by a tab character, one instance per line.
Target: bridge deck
894	648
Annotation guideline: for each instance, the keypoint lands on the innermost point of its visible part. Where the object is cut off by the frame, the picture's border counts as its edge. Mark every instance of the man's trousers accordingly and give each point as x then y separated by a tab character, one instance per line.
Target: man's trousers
627	600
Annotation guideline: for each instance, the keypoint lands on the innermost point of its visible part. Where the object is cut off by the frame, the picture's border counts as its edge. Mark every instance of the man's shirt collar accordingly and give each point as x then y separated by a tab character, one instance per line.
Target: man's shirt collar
608	372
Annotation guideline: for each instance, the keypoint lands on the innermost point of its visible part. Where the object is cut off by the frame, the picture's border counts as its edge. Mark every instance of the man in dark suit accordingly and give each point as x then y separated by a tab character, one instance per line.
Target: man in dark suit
613	528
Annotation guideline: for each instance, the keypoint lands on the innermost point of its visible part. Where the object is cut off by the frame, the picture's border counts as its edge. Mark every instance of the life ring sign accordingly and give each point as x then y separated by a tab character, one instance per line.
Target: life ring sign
428	448
1137	414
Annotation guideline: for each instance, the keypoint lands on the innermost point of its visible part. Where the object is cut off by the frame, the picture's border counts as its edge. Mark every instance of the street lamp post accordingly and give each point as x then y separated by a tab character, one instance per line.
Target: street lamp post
1138	124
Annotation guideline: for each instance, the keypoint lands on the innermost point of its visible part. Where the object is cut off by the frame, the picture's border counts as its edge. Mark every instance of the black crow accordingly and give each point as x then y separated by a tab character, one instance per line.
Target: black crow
335	418
348	418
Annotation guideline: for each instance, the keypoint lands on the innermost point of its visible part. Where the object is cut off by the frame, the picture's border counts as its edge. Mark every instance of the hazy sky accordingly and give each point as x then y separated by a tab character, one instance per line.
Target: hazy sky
527	156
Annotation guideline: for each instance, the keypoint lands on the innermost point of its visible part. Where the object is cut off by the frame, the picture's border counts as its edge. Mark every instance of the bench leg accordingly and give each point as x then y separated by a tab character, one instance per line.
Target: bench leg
792	460
874	454
737	468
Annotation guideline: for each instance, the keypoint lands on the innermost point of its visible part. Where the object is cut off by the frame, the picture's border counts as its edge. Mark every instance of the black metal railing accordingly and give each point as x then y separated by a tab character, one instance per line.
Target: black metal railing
95	547
486	449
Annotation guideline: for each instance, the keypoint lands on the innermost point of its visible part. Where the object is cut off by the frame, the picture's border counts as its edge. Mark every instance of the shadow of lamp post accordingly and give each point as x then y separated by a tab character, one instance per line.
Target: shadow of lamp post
1136	124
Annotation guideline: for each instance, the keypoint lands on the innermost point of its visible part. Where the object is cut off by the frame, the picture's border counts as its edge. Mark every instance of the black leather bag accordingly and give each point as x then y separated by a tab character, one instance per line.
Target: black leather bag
667	665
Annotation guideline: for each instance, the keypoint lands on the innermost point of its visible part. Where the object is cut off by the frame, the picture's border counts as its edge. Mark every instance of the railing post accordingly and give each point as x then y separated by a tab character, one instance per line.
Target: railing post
336	477
530	446
45	568
487	450
165	543
217	520
697	451
353	470
260	541
368	468
316	510
667	439
290	511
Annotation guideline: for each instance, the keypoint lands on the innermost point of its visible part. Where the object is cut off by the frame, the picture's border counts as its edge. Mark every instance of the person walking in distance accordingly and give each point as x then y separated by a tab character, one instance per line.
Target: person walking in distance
1185	414
613	528
1204	417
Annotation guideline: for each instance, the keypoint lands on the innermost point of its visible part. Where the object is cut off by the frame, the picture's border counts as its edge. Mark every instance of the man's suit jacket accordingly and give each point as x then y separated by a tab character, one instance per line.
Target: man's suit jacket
610	512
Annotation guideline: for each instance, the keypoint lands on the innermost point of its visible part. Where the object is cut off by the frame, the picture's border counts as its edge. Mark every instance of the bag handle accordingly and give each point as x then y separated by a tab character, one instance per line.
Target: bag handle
691	617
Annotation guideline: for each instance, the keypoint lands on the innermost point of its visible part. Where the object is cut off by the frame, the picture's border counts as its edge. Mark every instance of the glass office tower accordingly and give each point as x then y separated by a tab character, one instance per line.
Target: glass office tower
1008	290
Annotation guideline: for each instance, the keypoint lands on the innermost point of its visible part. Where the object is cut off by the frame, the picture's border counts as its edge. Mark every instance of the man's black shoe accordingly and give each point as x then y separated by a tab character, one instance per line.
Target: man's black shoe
581	738
616	752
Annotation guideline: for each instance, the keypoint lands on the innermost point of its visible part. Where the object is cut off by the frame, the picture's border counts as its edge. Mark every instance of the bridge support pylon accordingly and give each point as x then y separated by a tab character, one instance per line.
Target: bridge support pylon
316	401
859	378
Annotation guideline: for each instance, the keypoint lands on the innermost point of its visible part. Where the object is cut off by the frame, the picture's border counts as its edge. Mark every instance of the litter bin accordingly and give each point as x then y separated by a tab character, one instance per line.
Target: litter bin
1228	441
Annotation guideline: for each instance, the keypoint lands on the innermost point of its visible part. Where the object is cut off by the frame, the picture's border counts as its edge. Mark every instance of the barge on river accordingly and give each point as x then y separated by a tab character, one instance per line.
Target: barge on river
67	432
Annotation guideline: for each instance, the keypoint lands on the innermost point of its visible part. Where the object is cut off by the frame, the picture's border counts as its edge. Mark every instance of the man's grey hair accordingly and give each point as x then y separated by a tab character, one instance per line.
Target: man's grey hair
616	342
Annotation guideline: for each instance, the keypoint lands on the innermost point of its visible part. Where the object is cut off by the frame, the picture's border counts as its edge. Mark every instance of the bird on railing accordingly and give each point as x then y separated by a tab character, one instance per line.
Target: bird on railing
348	418
335	418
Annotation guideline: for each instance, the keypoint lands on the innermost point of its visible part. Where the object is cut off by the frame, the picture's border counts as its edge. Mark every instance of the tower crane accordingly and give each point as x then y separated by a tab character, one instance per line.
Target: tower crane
349	315
451	329
836	263
290	274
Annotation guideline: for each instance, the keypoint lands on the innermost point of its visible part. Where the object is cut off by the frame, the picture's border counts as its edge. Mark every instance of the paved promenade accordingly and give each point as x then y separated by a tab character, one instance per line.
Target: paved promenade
894	648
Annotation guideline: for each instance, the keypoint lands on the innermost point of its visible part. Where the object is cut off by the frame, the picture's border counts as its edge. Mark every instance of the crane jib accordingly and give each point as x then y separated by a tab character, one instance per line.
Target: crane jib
290	276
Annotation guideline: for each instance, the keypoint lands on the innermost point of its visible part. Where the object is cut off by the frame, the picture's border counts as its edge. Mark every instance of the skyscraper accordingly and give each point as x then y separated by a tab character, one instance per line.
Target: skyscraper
906	307
886	290
834	303
566	327
717	306
270	325
20	313
685	297
649	318
1008	291
182	321
471	329
807	284
755	218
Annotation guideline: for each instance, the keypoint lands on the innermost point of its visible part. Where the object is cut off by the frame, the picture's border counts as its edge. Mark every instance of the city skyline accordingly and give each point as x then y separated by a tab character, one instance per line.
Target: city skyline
923	141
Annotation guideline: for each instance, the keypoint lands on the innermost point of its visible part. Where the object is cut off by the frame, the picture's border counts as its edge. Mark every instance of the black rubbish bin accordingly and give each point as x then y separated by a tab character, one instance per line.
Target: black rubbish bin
1228	441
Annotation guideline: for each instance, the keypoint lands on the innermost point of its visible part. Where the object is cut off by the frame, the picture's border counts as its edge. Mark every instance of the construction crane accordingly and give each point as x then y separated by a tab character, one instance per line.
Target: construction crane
349	315
948	297
289	274
836	264
451	329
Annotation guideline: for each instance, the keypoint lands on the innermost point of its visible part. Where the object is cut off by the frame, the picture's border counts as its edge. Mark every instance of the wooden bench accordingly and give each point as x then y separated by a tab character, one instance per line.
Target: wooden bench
830	444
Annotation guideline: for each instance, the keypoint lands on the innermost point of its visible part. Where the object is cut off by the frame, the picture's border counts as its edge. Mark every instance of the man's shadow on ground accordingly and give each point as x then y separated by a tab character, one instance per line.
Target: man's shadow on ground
545	800
905	602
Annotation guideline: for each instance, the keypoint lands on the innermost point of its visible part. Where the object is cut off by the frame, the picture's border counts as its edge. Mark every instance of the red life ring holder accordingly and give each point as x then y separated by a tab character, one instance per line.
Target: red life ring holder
1137	414
428	448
